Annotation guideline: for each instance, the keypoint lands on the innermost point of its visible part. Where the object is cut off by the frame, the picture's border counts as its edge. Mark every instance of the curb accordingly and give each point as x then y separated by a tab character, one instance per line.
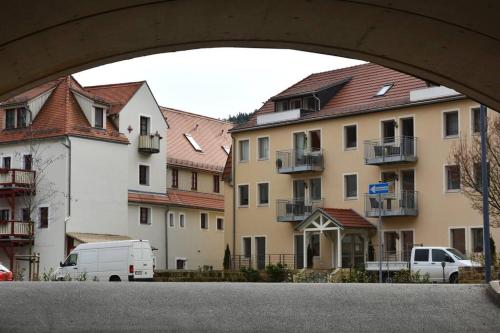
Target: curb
494	292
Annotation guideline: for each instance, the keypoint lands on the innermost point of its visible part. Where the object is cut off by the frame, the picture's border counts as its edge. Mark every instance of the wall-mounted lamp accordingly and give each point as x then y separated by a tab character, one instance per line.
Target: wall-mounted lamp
129	129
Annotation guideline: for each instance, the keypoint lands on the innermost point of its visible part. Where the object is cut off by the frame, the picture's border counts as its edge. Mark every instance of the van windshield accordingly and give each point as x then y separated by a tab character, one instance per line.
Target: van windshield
459	255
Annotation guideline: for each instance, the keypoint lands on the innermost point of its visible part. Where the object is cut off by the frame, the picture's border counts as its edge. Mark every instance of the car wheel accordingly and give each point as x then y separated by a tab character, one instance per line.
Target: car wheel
454	278
114	278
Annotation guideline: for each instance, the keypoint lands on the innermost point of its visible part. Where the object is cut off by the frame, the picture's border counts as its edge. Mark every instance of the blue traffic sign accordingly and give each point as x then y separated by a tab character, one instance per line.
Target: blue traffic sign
378	188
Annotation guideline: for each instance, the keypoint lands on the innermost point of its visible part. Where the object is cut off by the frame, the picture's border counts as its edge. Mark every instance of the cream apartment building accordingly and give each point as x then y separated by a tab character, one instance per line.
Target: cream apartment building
297	179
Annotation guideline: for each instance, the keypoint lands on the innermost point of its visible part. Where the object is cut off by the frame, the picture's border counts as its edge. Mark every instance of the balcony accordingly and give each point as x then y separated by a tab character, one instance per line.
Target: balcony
295	210
149	143
391	150
17	179
17	229
298	161
404	203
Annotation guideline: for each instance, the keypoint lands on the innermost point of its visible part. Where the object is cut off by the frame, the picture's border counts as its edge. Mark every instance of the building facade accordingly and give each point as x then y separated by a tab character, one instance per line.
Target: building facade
298	179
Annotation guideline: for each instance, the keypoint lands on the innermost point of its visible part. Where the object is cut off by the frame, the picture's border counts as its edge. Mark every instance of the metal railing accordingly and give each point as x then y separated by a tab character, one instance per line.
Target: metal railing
296	160
389	255
259	262
290	210
16	178
403	203
16	228
149	143
391	150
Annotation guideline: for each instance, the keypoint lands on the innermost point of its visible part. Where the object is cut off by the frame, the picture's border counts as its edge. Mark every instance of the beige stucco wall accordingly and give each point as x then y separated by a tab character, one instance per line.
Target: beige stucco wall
205	180
438	210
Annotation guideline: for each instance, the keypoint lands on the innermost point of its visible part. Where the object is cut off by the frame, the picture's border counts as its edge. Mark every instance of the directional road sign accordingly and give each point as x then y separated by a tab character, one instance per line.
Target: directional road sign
378	188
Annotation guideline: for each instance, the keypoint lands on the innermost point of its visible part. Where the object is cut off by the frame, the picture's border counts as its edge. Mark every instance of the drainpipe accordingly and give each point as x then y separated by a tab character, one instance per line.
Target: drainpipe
233	179
319	101
68	145
166	237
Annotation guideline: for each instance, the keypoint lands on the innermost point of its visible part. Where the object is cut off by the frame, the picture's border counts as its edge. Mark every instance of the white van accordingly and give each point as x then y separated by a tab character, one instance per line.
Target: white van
128	260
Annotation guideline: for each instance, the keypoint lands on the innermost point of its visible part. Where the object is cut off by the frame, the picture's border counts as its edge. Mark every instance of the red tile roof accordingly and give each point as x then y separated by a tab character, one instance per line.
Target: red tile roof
347	218
60	115
356	96
180	199
118	94
211	134
227	174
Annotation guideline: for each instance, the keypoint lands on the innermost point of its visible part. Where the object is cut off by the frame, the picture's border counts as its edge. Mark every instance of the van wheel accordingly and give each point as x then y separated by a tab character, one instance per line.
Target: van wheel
454	278
114	278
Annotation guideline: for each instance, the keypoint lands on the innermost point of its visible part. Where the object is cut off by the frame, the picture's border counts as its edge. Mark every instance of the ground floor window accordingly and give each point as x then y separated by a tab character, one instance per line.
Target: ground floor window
180	263
353	251
204	221
457	239
144	215
220	223
247	247
390	240
477	239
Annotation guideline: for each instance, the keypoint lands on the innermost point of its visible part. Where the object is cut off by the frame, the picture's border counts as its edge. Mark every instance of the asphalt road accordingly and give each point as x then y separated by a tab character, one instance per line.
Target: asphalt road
229	307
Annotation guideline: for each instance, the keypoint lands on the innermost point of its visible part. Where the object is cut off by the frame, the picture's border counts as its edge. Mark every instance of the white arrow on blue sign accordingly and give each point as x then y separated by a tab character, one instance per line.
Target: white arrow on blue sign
378	188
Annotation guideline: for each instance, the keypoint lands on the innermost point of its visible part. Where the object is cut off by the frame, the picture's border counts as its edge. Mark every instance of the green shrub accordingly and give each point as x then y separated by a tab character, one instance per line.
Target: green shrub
251	275
407	276
278	273
358	275
310	277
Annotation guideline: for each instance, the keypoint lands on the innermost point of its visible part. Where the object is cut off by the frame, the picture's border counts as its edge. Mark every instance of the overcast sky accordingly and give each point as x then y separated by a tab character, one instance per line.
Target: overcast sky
216	82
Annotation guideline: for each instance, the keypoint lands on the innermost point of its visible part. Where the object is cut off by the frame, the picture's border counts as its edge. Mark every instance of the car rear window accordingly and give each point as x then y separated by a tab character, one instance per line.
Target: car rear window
421	255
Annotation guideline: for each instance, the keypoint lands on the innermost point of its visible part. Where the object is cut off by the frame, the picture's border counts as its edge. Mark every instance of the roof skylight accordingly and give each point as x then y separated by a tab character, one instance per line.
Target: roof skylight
193	142
226	149
385	88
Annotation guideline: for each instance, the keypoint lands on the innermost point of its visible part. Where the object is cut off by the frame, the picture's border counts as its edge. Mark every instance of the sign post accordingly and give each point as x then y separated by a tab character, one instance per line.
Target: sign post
379	189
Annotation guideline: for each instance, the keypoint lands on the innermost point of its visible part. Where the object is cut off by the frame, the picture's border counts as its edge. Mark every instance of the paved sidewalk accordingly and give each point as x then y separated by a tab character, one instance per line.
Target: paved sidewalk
229	307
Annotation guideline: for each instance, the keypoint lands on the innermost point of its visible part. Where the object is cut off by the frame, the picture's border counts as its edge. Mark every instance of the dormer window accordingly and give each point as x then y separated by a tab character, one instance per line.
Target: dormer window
10	119
16	118
282	106
385	88
296	103
98	117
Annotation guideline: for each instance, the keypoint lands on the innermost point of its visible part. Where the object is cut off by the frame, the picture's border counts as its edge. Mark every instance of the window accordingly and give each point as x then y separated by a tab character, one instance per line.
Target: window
204	221
478	174
226	149
263	195
182	221
22	120
194	181
44	217
457	238
350	137
476	120
244	150
144	127
315	244
243	195
6	162
296	104
315	137
438	255
451	124
144	215
216	183
477	239
220	223
72	260
263	145
247	247
175	178
315	189
171	220
385	88
98	117
25	213
27	162
143	175
390	239
389	130
282	106
10	119
421	255
180	263
351	186
309	103
193	142
4	214
452	178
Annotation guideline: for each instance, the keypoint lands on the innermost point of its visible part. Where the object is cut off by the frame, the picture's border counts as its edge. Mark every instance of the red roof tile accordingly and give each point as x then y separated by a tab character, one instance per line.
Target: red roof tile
181	199
348	218
117	94
211	134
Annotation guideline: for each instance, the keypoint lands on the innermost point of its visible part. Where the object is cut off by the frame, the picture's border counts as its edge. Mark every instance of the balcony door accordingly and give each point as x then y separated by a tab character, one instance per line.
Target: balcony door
299	251
299	147
406	243
407	136
408	189
260	252
388	131
299	195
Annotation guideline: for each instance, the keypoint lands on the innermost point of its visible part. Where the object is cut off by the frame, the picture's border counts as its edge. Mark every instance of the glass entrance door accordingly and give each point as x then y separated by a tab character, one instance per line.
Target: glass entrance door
406	244
260	253
299	251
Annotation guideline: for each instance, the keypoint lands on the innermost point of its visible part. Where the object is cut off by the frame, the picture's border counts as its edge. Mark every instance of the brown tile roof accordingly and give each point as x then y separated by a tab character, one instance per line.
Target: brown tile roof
227	174
117	94
356	96
60	115
95	238
181	199
347	218
211	134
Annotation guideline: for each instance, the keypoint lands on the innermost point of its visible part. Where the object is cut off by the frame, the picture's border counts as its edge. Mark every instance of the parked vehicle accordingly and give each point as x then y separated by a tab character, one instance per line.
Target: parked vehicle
5	273
128	260
428	260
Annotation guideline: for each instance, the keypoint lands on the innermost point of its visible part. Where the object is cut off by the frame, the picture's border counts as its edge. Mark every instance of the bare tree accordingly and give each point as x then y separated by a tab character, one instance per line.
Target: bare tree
467	155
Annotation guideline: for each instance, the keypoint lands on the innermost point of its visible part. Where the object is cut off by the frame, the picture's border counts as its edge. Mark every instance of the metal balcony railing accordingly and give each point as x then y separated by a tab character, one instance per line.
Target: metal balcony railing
297	161
296	210
149	143
403	203
391	150
259	262
16	178
16	228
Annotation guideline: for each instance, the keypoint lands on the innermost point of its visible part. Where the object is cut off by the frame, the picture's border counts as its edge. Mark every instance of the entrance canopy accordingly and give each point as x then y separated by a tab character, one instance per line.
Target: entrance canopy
95	238
334	219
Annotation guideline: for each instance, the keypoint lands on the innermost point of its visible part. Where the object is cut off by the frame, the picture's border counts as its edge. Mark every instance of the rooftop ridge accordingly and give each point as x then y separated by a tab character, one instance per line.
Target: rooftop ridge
342	68
112	85
169	109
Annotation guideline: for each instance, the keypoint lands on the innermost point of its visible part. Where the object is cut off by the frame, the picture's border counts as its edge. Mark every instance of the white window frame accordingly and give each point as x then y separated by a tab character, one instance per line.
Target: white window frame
243	245
239	150
49	216
268	148
257	194
94	107
471	240
184	216
11	160
344	137
148	174
471	119
185	262
208	221
443	124
445	180
309	188
216	225
238	195
344	186
150	123
171	217
467	243
150	215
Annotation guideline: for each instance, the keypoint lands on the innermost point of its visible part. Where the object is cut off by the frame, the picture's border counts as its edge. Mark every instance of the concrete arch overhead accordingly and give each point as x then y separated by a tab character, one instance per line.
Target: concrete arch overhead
453	43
